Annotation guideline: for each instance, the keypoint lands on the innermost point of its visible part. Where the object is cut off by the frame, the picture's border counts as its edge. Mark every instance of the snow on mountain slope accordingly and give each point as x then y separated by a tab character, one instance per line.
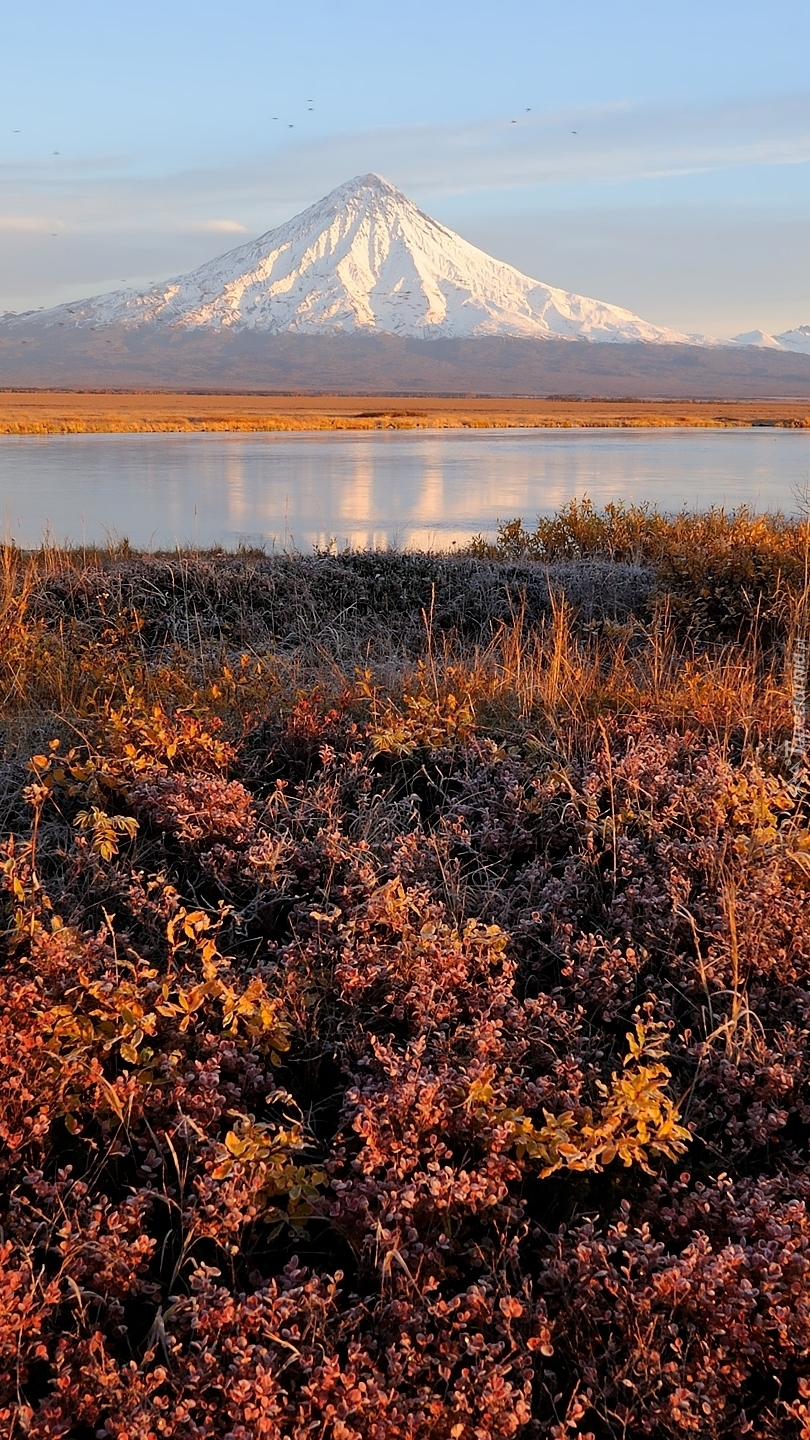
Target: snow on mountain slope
364	259
760	338
797	341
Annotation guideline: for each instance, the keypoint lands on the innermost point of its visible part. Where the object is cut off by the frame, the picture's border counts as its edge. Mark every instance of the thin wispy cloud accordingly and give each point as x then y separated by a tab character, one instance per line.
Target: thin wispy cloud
25	224
606	143
619	142
218	227
106	220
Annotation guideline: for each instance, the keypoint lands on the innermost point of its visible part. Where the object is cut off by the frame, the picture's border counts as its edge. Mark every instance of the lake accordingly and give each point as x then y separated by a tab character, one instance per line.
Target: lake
420	488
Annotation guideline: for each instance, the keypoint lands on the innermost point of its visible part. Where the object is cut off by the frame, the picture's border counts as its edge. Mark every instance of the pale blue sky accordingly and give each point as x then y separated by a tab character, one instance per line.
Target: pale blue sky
684	194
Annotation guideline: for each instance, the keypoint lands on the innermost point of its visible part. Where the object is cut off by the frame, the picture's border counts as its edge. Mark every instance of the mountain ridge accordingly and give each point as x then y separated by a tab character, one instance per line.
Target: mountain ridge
359	364
795	341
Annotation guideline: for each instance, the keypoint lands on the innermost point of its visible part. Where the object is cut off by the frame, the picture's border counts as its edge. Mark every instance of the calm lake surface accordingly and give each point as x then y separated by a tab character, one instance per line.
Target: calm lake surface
418	488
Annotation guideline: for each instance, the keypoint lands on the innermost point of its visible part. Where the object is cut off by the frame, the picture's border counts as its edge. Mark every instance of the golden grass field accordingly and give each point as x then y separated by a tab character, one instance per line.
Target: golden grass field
51	412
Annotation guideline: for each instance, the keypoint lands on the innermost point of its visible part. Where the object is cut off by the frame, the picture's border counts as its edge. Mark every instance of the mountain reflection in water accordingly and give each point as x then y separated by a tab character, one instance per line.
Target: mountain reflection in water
426	489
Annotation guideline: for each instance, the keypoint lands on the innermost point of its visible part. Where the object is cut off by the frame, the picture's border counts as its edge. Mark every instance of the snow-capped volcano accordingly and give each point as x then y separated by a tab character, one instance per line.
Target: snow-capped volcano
365	259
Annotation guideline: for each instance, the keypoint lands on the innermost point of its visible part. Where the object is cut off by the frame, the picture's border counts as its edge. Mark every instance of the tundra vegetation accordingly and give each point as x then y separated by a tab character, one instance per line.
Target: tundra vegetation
406	989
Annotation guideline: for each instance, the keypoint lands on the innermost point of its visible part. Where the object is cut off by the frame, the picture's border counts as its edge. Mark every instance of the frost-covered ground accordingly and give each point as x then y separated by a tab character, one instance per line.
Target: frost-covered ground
404	990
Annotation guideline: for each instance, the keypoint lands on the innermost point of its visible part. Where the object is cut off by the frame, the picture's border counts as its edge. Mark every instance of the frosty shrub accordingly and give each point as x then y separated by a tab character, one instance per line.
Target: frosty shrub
404	996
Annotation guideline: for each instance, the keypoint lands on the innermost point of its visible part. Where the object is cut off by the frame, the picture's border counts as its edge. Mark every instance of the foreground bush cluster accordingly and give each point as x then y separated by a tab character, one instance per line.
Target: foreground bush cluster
404	1025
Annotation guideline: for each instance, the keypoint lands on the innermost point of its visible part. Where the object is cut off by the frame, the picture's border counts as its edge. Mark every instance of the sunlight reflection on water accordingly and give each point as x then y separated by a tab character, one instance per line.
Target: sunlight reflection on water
427	489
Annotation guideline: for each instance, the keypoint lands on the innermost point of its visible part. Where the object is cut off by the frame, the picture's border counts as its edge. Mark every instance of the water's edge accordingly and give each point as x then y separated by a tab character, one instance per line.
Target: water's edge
427	489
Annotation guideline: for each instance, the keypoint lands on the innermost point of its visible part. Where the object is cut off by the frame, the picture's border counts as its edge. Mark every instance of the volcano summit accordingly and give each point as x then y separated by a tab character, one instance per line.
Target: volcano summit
363	260
364	293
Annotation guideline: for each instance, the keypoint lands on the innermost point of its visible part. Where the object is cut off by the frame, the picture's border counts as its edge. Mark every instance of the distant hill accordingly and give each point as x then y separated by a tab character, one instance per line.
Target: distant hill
123	358
796	340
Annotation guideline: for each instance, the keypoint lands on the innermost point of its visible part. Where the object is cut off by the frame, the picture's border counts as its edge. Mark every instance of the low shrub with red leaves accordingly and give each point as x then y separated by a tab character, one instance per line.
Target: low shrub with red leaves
419	1061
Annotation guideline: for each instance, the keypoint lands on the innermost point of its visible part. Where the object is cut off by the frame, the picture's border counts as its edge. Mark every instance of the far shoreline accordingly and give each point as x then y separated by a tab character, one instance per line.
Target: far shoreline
28	411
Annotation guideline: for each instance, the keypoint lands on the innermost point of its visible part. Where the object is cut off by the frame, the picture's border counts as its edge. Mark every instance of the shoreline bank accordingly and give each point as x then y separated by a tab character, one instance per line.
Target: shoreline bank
52	412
